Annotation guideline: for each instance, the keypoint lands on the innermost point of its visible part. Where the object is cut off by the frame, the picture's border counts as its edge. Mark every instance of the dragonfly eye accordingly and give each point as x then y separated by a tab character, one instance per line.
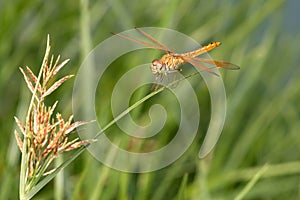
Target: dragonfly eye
156	66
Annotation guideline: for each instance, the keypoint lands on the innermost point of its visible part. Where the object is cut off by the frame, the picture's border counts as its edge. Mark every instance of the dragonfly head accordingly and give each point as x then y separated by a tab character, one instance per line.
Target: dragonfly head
156	66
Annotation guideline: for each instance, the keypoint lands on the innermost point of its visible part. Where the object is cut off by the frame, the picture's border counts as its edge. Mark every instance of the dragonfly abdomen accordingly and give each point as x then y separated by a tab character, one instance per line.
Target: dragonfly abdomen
202	50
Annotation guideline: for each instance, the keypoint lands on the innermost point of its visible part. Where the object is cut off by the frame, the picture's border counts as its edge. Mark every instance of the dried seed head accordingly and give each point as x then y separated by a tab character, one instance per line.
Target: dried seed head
46	134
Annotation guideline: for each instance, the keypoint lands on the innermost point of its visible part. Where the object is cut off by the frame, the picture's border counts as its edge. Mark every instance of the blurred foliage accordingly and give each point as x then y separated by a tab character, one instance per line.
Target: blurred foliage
263	114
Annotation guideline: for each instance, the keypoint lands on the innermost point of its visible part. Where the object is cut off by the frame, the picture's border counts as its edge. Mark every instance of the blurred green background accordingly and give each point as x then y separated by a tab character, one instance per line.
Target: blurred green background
263	118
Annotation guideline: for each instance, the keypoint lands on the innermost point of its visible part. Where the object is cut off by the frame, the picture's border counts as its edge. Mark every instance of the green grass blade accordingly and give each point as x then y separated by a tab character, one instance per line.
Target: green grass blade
41	184
251	183
181	194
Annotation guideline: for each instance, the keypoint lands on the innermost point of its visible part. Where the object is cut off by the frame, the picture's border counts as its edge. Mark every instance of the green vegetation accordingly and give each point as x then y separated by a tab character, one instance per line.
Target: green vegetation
257	154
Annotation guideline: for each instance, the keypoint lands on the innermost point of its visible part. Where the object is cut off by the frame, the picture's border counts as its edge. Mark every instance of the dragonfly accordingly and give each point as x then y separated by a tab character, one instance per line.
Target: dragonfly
171	61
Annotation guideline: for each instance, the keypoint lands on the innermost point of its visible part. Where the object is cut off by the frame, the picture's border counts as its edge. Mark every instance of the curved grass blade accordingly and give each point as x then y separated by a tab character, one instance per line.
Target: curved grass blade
49	177
252	182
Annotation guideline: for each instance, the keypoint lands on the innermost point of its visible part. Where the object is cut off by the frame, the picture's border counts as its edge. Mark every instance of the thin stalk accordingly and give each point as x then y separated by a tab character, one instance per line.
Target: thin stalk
250	185
24	160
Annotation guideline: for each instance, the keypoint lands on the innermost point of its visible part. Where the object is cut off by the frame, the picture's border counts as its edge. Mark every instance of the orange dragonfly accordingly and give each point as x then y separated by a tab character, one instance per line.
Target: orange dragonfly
171	61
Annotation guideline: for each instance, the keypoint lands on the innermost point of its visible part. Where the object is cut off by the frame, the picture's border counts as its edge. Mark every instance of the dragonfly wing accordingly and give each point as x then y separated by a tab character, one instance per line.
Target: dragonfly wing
141	42
199	65
163	46
218	63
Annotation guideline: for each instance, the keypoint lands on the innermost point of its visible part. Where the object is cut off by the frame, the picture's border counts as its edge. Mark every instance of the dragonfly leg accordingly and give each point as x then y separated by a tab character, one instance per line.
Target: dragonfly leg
175	77
167	78
158	79
154	84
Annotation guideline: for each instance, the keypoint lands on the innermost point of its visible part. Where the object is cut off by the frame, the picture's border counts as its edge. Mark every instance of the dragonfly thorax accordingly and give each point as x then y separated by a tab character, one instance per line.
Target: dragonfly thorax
168	63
